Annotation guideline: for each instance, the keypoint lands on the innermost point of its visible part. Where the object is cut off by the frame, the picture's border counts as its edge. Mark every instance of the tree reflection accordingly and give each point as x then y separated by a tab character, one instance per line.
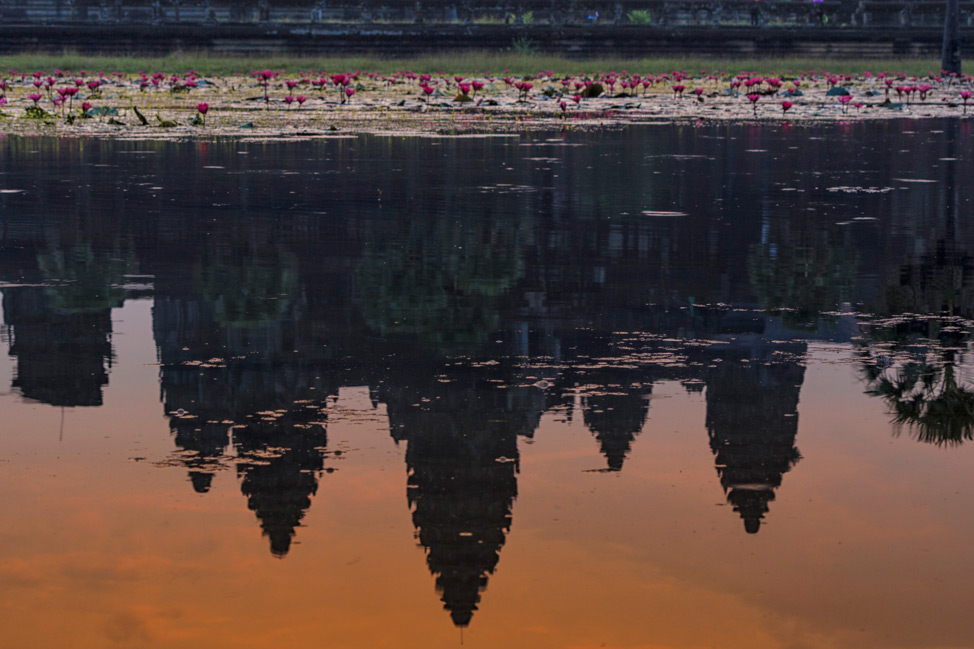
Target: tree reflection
441	279
249	287
802	274
919	377
84	280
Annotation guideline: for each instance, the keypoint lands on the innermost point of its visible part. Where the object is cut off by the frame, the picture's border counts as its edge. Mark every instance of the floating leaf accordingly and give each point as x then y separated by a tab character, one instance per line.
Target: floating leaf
36	112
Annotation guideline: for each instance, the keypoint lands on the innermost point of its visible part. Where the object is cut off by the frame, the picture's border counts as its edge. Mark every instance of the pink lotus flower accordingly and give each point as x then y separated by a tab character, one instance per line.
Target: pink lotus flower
85	106
349	92
785	105
754	98
965	95
35	97
300	100
202	108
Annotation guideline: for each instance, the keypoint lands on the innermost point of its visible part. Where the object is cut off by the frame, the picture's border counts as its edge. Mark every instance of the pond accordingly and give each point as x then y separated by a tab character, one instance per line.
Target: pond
667	386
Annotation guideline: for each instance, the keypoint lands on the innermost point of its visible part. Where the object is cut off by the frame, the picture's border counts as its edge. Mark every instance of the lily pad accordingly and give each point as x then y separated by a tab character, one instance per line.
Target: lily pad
838	91
36	112
103	111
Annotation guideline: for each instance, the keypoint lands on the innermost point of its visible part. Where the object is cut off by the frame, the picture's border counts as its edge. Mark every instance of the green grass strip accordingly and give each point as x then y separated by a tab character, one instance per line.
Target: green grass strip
465	62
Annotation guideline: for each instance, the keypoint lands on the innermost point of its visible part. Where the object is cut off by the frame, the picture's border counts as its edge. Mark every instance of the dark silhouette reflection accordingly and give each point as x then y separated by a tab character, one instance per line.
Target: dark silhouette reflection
614	408
61	329
615	418
205	444
62	357
752	421
280	442
462	461
282	457
419	268
913	365
250	381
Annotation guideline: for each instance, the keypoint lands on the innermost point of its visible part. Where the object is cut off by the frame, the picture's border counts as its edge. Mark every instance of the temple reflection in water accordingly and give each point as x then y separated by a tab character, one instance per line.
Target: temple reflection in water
468	306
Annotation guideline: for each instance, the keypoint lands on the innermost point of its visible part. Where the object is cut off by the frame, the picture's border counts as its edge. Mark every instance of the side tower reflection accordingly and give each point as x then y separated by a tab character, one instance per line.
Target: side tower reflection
60	320
243	385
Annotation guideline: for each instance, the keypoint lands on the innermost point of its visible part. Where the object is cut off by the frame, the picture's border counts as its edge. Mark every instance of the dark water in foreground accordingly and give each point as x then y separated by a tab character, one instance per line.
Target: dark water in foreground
669	387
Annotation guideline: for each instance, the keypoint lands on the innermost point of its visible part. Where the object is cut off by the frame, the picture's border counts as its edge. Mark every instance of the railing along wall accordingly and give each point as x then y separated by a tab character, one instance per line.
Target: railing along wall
883	14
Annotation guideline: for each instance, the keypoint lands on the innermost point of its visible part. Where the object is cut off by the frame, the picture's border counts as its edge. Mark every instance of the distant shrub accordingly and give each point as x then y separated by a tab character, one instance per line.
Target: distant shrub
640	16
524	45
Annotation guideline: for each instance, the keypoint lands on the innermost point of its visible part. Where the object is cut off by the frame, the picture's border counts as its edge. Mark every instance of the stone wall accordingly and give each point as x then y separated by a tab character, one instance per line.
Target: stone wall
661	13
572	41
578	28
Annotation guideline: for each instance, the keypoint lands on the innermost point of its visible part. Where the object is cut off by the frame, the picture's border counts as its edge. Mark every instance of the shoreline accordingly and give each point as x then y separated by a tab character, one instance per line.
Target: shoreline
277	105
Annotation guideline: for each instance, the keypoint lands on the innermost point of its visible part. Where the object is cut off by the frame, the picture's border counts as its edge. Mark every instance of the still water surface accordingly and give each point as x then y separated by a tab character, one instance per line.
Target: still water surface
669	387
